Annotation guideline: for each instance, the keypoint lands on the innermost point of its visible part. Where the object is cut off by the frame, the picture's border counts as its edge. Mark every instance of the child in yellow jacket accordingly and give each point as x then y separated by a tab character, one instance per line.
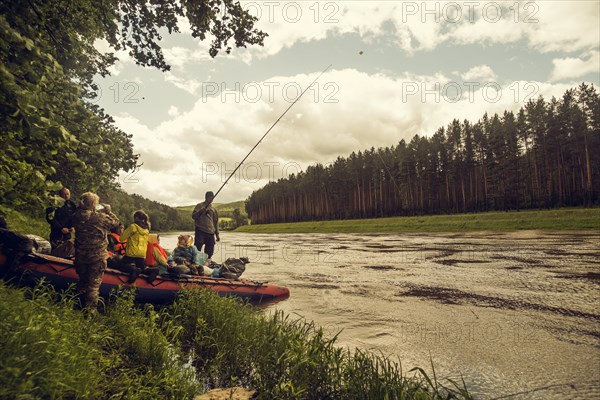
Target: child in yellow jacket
136	236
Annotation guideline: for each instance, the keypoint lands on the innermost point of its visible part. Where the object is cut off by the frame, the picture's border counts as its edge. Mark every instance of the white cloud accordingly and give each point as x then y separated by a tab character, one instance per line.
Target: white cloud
177	56
184	25
195	151
198	146
423	26
570	68
482	31
418	26
190	85
566	26
480	73
173	111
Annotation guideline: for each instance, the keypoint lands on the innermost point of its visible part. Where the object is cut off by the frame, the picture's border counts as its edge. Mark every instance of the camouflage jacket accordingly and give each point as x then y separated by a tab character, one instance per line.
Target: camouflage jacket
91	229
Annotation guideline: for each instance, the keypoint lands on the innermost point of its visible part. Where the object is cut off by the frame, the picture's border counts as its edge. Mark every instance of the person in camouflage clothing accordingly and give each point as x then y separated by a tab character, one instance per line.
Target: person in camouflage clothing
91	228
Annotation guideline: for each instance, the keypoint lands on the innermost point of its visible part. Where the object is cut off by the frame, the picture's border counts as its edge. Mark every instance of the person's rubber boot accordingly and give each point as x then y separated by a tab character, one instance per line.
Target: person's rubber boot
133	273
152	274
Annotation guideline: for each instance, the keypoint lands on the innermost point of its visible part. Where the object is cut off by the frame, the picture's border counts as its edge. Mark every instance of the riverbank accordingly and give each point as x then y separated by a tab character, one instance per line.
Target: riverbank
562	219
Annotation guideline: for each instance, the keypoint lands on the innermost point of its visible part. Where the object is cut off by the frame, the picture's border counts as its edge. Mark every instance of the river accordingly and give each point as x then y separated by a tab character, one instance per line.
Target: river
516	315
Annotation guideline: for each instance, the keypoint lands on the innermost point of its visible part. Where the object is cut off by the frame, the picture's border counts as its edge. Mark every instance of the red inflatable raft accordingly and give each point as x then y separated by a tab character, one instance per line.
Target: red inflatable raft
61	273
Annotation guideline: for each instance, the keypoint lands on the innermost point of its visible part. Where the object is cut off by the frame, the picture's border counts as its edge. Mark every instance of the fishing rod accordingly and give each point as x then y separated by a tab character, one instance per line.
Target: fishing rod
389	172
266	133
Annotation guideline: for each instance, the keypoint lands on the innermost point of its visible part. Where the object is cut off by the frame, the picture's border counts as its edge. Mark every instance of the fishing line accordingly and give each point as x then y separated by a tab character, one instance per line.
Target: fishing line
266	133
389	172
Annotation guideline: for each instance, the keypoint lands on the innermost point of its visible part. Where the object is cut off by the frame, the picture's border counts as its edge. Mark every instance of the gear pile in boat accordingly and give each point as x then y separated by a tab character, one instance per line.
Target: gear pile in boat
184	261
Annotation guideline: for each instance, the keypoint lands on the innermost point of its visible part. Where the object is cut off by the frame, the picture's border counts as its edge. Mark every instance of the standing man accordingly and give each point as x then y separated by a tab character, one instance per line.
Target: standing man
91	230
207	225
61	224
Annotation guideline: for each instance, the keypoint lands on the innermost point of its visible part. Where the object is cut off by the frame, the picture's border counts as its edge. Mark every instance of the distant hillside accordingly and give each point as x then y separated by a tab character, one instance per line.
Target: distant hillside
185	208
225	209
163	217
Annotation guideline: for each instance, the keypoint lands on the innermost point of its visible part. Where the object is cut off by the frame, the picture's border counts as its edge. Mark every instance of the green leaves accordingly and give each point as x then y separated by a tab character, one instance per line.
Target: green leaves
40	176
67	30
48	65
54	186
48	128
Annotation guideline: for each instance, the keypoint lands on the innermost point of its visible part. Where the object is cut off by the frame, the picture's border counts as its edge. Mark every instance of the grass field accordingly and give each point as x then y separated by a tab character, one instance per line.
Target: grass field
576	219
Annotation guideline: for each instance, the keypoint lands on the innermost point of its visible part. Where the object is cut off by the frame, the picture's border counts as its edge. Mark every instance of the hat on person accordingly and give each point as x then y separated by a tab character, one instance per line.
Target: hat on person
185	240
209	194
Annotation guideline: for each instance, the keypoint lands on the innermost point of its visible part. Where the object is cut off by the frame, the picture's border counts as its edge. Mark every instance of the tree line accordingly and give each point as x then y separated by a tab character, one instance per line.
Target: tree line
546	155
50	136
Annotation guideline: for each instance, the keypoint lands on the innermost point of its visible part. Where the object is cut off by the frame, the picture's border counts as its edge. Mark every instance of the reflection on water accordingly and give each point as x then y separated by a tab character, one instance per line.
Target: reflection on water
509	312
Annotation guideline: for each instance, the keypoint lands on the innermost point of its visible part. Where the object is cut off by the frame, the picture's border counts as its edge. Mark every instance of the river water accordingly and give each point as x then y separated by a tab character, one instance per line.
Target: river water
516	315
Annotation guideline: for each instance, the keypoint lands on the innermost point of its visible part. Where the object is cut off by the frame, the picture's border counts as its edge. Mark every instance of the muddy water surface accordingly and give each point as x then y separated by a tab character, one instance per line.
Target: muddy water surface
516	315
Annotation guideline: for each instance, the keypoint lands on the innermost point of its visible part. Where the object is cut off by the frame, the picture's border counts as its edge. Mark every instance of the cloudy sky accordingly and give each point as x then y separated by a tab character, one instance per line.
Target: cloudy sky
398	68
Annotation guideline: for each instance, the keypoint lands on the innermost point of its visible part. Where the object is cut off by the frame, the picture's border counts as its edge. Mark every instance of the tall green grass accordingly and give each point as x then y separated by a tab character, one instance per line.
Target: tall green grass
284	358
48	349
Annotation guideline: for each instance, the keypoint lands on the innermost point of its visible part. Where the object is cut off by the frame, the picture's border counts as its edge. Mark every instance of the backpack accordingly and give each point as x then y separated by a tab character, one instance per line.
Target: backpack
64	250
40	245
233	268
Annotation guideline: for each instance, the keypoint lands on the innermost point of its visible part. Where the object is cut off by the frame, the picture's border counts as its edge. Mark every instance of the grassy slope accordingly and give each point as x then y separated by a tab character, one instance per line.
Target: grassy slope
23	224
219	206
229	207
223	208
558	219
186	208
